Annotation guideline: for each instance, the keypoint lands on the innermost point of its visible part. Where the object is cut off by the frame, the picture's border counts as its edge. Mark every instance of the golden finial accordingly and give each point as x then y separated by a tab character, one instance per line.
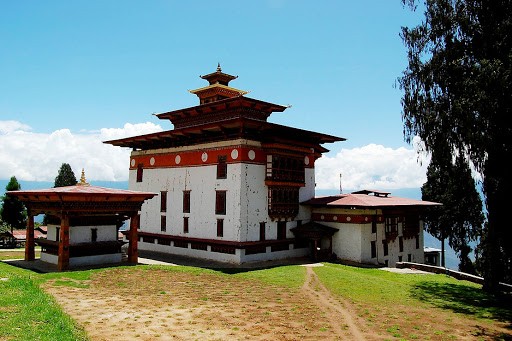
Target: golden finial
82	179
218	68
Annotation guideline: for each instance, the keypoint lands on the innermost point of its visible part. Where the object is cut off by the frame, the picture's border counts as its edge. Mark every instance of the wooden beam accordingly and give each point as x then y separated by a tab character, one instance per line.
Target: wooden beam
29	239
133	238
63	257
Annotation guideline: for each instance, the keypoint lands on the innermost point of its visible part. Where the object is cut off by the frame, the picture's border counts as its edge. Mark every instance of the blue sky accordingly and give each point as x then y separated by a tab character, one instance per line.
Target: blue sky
75	73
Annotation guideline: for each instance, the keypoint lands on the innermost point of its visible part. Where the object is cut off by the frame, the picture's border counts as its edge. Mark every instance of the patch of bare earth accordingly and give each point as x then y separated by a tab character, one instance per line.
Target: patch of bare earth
155	304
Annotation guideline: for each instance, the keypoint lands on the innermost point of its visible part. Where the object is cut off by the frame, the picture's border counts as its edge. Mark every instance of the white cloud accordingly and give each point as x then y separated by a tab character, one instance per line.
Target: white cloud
372	167
38	157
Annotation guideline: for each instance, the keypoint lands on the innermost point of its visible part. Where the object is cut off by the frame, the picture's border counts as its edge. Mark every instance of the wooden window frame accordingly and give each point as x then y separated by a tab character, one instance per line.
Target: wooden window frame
373	249
281	230
185	225
140	172
94	235
163	201
222	167
385	247
186	201
263	228
163	223
220	202
220	227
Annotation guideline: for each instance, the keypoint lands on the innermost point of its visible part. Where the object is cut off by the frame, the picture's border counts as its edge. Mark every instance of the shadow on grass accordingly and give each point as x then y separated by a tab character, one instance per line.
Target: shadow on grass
466	300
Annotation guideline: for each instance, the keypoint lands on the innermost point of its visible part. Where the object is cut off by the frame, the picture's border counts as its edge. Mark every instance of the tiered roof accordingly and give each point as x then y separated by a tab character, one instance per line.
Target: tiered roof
225	113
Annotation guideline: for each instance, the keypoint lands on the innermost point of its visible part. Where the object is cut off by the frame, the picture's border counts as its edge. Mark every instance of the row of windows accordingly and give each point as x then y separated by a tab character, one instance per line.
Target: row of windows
385	246
281	228
220	202
222	168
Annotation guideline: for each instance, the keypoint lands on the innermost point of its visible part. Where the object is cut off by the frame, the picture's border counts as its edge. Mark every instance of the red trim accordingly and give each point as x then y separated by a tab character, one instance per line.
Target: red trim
346	218
195	158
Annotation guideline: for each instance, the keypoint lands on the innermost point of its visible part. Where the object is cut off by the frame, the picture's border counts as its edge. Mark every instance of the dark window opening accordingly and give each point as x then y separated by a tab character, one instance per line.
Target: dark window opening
374	227
222	167
220	202
281	230
417	242
57	234
285	168
163	201
186	201
220	227
263	227
163	223
401	244
374	249
283	202
140	172
94	235
385	246
185	224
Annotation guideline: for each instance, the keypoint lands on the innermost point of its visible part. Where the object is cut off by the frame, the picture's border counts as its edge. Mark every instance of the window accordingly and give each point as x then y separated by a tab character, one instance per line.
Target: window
222	167
385	246
391	228
263	227
417	242
163	223
220	202
185	224
401	243
409	257
281	230
283	202
411	226
163	201
186	201
57	234
140	171
374	249
94	235
220	227
285	168
374	227
399	258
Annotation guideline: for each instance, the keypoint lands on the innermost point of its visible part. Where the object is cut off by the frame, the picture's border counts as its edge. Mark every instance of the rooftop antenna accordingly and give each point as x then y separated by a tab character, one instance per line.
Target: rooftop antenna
341	190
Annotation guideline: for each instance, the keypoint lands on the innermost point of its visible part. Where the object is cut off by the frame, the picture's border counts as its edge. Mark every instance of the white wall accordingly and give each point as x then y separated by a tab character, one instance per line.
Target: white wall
82	234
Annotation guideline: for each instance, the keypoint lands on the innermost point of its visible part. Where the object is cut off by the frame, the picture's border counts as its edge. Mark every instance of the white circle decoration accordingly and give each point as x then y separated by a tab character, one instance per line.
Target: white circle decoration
177	159
234	154
252	154
306	160
365	218
335	218
132	162
152	161
322	217
204	157
349	219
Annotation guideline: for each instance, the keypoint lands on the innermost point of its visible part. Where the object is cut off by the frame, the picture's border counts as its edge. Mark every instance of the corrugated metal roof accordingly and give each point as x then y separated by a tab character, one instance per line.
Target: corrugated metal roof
366	199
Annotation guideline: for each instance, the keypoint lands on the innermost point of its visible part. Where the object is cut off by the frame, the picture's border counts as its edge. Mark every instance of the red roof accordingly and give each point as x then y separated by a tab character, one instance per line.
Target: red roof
365	199
22	234
82	191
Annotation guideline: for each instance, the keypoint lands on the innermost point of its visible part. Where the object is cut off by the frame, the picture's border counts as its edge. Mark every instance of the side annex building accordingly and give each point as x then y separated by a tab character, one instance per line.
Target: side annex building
233	187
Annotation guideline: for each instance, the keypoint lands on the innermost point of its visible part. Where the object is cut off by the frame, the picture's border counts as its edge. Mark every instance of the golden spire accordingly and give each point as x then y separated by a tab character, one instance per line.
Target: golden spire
82	179
218	68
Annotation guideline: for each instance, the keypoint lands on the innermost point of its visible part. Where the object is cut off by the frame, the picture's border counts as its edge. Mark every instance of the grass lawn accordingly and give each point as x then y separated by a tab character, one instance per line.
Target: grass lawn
393	306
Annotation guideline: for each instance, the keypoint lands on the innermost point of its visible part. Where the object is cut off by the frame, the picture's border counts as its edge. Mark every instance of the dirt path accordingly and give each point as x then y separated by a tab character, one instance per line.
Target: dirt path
154	304
340	318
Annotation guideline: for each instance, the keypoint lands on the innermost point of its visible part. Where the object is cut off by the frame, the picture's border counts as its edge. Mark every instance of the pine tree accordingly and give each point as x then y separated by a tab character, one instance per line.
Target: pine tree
13	211
66	177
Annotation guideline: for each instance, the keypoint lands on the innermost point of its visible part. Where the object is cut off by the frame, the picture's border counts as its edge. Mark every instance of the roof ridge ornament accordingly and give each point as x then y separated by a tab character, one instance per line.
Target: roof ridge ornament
218	68
82	180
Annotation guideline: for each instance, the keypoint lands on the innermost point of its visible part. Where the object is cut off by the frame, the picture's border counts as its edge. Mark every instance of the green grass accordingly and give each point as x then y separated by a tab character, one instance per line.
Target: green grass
27	313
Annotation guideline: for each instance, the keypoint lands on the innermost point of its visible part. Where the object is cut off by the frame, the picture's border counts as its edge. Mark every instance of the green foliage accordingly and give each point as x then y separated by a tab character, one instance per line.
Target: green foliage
66	177
13	211
457	88
460	219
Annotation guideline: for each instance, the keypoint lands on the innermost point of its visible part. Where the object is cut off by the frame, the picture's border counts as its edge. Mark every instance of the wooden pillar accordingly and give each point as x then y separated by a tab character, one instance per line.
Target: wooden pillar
133	238
63	261
29	239
315	250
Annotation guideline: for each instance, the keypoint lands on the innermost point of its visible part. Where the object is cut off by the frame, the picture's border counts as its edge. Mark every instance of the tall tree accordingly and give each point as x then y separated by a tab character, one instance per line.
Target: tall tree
457	88
460	219
13	211
66	177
